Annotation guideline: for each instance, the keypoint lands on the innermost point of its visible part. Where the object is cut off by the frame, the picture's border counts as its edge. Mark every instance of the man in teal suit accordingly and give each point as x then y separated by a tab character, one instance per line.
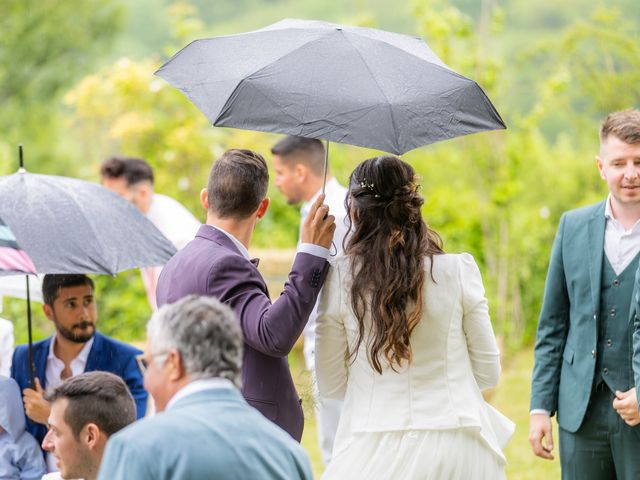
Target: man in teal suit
205	428
583	352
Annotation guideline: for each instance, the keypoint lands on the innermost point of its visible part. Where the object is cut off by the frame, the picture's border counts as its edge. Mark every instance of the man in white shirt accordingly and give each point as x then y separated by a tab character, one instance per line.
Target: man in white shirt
298	164
583	354
132	179
6	344
205	429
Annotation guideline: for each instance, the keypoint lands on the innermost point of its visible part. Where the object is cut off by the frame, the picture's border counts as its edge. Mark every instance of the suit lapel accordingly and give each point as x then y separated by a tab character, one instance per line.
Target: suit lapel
40	360
94	360
596	251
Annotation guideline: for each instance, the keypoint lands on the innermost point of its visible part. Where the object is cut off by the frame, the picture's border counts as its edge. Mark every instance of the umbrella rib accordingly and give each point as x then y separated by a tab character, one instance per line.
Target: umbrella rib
393	120
227	105
93	230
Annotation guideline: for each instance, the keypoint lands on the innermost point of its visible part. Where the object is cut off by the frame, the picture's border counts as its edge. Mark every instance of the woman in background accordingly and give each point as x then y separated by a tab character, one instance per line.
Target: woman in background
405	339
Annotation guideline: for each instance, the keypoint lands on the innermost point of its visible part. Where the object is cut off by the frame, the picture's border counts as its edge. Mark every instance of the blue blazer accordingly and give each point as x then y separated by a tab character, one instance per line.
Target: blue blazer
212	434
106	355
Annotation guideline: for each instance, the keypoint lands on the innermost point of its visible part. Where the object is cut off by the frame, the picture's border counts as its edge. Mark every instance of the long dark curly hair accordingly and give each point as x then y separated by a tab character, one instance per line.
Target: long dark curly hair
388	245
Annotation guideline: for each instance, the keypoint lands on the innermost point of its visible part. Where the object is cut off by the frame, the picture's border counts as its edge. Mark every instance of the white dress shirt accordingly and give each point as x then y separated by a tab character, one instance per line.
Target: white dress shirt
335	195
620	246
6	345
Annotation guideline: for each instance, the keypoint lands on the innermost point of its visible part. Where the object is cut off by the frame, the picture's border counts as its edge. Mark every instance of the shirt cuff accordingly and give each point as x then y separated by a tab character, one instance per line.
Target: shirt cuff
315	250
540	411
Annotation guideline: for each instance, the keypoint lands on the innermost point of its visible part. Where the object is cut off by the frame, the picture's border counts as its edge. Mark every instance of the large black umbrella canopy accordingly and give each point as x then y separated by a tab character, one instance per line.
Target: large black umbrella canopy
71	226
359	86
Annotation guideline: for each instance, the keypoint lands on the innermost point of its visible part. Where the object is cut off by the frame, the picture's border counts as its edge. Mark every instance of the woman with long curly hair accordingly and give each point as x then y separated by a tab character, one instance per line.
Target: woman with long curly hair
404	337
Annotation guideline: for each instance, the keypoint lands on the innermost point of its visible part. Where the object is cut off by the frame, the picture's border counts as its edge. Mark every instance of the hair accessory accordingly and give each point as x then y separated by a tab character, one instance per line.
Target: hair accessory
369	186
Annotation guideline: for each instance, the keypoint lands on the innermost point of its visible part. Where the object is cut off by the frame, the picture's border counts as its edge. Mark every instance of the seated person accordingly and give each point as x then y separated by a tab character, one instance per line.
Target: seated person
74	348
20	456
206	429
85	411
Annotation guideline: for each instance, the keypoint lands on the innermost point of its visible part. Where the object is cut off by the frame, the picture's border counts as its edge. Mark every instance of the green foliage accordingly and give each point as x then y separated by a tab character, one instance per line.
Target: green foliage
552	69
45	47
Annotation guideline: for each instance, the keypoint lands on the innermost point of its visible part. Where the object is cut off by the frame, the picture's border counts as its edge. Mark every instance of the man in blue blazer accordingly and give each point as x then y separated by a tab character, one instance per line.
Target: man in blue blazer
204	428
583	352
217	263
76	347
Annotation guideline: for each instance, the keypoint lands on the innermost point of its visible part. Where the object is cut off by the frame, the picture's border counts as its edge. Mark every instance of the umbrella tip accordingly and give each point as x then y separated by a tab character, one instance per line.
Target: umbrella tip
21	168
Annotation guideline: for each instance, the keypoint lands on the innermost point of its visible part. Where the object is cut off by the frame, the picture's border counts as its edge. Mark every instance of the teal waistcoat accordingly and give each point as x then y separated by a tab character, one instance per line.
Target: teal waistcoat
613	365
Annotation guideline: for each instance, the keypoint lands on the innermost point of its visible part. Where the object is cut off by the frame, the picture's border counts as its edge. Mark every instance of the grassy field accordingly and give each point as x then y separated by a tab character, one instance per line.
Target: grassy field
511	396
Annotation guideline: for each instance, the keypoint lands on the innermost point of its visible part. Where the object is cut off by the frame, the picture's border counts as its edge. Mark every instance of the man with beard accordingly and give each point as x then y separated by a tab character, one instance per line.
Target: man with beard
76	347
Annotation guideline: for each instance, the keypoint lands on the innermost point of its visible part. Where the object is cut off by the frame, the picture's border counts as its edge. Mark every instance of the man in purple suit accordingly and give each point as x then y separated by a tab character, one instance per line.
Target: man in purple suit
217	263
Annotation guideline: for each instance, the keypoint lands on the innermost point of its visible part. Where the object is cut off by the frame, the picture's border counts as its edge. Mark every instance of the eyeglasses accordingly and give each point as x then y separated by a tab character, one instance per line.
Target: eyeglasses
143	363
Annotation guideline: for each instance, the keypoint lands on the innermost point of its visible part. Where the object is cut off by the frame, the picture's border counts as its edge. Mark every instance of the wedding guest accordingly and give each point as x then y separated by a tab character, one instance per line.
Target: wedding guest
404	337
85	411
132	179
205	429
217	263
583	356
75	347
20	455
298	164
6	344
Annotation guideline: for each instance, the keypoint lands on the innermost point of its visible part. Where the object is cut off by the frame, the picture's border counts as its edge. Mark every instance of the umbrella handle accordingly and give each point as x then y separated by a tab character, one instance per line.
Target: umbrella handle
326	165
32	367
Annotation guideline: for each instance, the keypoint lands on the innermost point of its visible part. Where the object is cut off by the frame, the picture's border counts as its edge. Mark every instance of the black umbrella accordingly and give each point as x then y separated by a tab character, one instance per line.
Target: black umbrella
353	85
72	226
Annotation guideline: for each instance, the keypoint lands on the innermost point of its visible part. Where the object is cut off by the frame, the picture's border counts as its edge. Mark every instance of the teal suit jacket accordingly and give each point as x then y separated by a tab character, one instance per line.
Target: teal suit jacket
212	434
567	336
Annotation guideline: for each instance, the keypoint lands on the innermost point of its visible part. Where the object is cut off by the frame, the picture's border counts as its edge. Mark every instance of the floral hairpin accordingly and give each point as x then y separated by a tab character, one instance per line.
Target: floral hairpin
369	186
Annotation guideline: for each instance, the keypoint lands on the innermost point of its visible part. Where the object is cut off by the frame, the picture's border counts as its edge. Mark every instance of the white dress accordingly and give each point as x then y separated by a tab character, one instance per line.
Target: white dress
427	420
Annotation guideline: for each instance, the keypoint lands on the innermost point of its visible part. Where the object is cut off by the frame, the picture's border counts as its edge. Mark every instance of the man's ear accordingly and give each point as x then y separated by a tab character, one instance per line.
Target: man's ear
175	365
48	311
262	209
91	435
600	165
204	199
300	172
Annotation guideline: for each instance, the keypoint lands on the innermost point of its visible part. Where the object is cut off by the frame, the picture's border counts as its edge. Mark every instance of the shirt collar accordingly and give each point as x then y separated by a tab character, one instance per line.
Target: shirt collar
199	386
608	213
236	242
82	356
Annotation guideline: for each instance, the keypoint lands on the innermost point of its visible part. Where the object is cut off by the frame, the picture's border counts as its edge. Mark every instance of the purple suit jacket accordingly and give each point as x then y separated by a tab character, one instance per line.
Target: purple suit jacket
212	265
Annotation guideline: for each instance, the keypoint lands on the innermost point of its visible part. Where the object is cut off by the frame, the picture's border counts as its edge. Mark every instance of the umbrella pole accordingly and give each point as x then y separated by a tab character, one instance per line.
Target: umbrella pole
326	165
32	369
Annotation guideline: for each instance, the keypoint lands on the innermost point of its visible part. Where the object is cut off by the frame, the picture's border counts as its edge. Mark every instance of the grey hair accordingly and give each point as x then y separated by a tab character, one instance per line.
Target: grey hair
205	332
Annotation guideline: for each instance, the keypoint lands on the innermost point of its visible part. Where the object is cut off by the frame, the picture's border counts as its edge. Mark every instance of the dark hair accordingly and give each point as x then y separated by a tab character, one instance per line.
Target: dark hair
308	151
388	246
624	125
238	182
96	397
52	283
134	170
